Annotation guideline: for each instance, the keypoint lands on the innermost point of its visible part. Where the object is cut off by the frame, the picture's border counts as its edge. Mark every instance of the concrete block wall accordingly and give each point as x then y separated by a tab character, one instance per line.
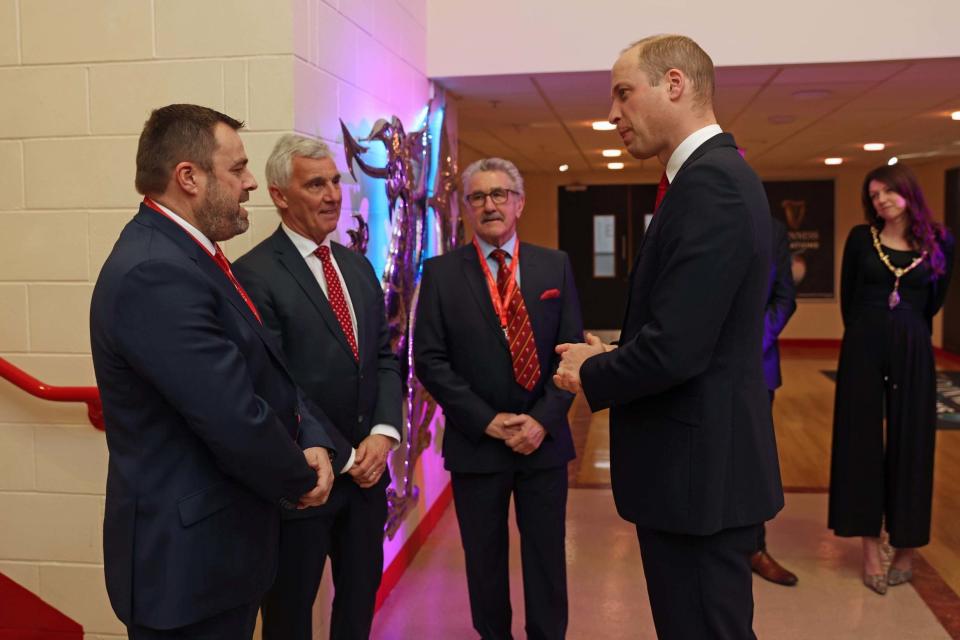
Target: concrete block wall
78	79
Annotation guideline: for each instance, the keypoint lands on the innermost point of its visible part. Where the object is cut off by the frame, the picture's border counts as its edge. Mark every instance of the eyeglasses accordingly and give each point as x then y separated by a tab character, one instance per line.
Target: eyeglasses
498	196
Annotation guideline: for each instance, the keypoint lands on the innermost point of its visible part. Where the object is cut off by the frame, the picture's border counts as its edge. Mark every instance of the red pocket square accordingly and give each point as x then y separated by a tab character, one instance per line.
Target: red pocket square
550	294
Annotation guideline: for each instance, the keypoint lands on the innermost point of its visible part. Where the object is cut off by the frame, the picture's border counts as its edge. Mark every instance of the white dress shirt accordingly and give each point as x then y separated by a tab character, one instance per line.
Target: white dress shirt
306	247
507	246
204	241
688	146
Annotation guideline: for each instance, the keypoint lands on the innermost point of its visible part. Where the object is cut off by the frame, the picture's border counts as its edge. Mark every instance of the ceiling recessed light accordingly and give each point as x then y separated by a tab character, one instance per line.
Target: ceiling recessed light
874	146
892	161
564	167
612	153
833	161
615	165
955	115
603	125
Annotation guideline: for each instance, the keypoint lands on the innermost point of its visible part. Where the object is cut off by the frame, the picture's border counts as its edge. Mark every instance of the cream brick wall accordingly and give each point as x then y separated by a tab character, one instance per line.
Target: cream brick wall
78	80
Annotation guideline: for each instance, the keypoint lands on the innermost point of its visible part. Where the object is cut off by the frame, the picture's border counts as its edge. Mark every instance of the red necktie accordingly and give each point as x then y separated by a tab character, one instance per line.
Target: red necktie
523	348
661	190
224	265
336	298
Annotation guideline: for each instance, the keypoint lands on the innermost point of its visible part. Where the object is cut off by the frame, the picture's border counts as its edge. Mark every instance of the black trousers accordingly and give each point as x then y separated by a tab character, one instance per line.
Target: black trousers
700	587
482	502
349	529
235	624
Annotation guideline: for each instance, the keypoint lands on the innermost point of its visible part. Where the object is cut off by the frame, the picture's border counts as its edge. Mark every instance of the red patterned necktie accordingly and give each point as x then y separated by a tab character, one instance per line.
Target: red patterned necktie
224	265
661	190
336	298
523	348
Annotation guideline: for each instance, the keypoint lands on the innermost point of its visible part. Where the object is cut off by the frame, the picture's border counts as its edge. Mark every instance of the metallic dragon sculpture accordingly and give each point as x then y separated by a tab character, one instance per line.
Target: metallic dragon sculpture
405	174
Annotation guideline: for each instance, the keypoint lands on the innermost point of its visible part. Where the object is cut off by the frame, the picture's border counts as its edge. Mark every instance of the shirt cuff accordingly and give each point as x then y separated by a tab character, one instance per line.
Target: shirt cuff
346	467
390	432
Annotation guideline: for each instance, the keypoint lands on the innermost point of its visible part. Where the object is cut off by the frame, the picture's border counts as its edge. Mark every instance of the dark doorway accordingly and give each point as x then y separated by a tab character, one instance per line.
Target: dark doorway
600	227
951	307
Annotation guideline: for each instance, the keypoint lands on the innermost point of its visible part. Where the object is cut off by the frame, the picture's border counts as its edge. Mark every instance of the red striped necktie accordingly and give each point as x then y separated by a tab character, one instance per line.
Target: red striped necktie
661	190
338	302
523	348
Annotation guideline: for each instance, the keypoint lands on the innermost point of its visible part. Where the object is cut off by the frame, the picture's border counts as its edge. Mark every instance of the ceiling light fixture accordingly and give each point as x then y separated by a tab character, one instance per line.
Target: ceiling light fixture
892	161
603	125
615	165
612	153
874	146
564	167
955	115
833	161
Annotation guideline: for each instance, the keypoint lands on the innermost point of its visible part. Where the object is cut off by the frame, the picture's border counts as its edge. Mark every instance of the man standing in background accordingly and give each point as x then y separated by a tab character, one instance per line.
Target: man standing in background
325	306
488	318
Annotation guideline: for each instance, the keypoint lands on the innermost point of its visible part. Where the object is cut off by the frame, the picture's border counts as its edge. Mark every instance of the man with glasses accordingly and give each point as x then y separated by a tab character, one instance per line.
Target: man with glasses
489	316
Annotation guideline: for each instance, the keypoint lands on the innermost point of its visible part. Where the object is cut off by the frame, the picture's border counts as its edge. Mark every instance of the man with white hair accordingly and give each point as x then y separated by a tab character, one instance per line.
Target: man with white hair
325	306
488	317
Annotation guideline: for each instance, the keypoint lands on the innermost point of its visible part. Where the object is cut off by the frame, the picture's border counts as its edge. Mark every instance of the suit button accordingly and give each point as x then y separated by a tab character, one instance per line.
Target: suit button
360	419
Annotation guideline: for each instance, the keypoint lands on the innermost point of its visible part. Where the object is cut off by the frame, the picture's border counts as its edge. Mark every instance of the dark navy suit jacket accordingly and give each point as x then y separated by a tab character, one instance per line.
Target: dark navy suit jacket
463	359
781	303
691	437
356	396
204	427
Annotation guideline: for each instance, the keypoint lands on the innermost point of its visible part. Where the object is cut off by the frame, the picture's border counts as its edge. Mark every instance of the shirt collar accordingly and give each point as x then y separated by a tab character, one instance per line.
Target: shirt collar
304	245
507	246
688	146
204	241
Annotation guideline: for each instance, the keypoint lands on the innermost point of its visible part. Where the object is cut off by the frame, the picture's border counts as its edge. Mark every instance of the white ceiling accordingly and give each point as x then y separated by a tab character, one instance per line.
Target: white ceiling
787	117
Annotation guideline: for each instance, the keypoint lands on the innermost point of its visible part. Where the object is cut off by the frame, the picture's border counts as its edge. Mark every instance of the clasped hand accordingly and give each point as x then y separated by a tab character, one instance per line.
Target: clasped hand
319	461
371	460
522	433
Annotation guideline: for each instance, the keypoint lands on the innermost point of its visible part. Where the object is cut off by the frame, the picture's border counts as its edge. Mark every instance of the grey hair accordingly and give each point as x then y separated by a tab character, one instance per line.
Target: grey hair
280	163
493	164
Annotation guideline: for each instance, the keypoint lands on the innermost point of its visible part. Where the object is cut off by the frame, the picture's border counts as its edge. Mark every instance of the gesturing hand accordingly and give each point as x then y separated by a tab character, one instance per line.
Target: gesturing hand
572	357
371	460
319	461
527	434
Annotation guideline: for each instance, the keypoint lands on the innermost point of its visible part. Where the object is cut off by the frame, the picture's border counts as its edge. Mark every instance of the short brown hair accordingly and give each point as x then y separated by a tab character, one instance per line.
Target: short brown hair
173	134
658	54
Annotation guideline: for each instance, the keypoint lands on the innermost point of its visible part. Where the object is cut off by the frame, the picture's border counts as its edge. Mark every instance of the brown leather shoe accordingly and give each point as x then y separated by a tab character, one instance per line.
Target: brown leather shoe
769	569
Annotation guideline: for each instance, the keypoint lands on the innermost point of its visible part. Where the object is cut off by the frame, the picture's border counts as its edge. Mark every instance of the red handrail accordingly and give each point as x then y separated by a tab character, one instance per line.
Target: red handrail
89	395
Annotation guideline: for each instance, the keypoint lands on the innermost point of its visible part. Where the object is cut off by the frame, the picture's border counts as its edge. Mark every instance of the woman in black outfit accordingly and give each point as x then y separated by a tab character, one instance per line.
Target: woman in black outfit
894	278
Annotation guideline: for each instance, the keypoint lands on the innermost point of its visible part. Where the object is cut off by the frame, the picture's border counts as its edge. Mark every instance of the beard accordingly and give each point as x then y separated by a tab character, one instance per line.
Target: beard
219	216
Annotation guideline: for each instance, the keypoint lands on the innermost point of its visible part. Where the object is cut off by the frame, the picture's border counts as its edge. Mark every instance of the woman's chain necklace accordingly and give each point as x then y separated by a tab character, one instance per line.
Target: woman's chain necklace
894	298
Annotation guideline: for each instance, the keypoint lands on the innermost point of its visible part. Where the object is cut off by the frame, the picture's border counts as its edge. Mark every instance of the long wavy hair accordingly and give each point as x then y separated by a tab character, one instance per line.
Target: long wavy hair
924	233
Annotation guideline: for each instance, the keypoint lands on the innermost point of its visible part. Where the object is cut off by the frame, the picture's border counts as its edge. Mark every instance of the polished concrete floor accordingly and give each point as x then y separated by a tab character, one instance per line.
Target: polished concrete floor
605	579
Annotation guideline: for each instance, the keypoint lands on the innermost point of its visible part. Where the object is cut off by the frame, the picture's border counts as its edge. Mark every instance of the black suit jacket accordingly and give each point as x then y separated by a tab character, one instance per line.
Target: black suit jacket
691	438
203	423
463	359
781	303
355	396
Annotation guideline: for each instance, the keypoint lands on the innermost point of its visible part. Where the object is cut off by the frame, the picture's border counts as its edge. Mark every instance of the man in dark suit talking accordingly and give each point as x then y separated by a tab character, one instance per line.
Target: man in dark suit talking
325	306
207	432
693	456
488	318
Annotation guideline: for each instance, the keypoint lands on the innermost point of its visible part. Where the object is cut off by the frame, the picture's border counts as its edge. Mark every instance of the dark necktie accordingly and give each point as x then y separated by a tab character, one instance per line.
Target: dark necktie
523	348
661	190
336	298
224	265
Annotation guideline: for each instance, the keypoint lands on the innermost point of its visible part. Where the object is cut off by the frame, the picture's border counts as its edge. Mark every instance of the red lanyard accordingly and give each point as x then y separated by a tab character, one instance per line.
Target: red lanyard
500	306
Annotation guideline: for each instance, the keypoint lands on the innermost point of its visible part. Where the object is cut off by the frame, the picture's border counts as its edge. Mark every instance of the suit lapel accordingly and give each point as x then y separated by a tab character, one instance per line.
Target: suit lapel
477	284
291	260
205	262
